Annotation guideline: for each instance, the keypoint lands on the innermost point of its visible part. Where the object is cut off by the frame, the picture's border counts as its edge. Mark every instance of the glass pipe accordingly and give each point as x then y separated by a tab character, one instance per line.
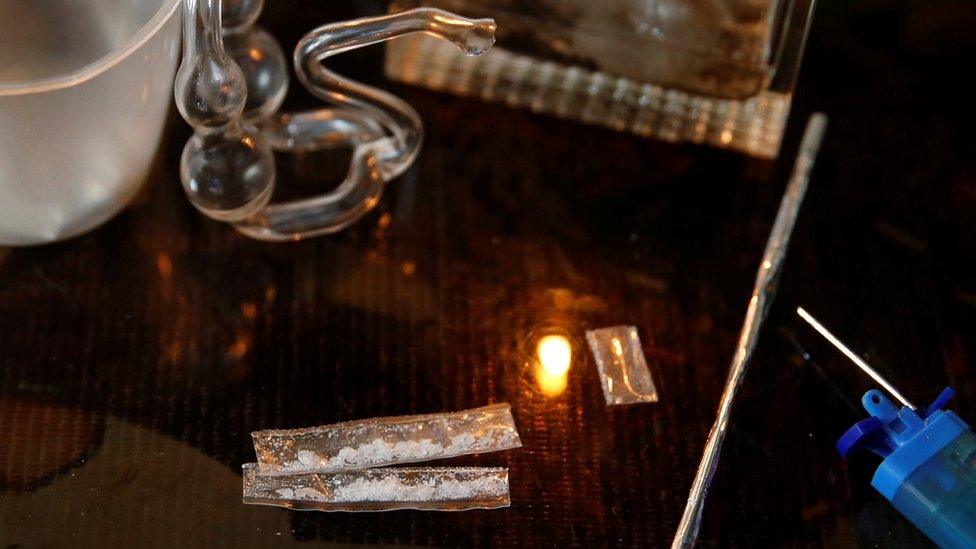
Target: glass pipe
265	70
240	14
227	167
232	96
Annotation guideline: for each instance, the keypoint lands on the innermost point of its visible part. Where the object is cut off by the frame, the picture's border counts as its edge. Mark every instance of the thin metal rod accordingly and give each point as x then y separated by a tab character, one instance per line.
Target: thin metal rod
854	358
763	293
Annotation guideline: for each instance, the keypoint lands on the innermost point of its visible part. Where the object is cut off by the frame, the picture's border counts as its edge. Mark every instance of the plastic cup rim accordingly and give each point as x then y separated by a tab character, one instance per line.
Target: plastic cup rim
148	31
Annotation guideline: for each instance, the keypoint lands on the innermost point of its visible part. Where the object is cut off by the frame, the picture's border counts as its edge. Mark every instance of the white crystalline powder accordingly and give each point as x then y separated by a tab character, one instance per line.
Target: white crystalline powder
379	451
394	489
465	440
310	494
306	458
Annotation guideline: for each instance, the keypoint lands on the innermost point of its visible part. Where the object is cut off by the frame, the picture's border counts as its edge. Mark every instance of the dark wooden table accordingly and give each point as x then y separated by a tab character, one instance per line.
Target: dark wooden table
134	361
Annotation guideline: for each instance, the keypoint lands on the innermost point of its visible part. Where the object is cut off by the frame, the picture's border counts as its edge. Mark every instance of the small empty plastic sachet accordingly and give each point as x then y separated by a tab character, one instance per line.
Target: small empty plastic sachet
623	369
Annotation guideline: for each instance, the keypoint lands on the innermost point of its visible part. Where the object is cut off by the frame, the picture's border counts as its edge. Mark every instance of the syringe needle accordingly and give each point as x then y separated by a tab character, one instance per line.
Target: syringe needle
854	358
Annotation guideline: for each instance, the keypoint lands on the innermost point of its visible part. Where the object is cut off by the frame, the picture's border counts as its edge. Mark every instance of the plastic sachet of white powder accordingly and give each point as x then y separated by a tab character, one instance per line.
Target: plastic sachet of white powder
425	488
385	441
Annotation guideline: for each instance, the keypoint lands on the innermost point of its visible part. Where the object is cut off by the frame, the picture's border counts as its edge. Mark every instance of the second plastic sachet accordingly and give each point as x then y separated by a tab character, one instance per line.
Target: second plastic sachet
379	442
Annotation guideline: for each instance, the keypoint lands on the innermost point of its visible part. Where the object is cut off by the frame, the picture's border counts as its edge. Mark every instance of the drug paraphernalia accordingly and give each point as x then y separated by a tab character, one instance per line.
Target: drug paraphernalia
928	467
383	441
763	292
425	488
231	96
622	366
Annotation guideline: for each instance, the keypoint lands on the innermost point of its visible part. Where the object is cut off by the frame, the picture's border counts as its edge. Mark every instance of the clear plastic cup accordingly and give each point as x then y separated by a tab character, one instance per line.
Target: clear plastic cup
85	88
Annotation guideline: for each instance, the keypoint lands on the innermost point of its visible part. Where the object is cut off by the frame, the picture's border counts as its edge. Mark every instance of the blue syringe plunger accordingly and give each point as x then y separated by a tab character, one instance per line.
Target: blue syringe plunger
928	470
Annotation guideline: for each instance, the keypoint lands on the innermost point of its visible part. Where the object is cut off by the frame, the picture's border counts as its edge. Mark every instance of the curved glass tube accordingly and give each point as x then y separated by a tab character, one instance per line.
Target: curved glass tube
227	168
228	171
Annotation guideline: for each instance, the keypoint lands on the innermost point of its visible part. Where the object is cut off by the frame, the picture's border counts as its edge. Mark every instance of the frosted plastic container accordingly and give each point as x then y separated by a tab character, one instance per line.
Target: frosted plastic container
85	88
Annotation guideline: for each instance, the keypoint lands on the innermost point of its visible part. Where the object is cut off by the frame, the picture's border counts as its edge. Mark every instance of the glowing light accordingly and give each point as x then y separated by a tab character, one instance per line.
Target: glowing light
555	357
550	385
555	354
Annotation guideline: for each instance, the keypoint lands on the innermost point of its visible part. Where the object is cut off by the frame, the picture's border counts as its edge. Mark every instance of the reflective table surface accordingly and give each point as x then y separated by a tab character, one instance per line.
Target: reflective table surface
136	360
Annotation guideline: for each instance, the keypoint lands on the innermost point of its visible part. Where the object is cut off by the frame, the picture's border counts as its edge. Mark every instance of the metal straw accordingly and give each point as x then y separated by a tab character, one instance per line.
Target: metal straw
763	294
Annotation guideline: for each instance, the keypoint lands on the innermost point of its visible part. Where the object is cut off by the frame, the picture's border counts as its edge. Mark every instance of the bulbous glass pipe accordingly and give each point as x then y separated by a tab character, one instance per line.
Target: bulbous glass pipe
265	71
377	160
474	37
228	175
228	170
210	89
240	14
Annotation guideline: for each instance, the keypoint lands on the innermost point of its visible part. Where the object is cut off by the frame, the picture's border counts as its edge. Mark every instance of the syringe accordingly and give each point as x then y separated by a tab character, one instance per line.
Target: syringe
928	470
